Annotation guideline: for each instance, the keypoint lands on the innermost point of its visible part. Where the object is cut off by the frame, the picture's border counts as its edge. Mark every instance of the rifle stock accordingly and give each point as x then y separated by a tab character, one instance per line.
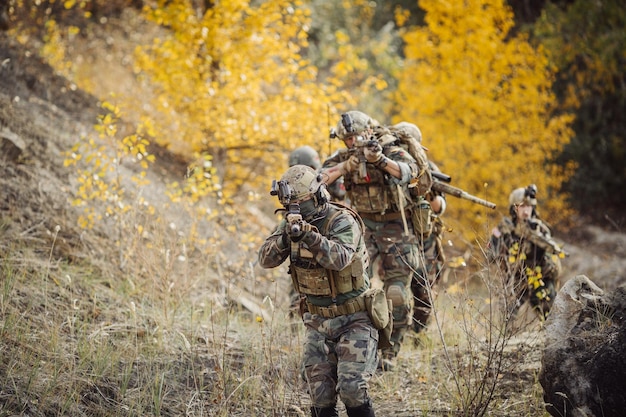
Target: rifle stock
457	192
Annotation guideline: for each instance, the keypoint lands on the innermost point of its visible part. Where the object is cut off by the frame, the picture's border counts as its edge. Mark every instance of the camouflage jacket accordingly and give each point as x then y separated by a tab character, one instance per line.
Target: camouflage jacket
532	238
339	247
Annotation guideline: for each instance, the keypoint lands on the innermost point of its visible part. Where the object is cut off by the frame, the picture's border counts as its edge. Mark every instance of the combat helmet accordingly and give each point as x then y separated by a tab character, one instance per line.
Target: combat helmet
523	196
353	123
301	183
305	155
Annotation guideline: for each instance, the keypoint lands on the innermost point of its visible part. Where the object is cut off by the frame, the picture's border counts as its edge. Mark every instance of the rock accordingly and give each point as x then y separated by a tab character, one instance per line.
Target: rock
11	145
583	365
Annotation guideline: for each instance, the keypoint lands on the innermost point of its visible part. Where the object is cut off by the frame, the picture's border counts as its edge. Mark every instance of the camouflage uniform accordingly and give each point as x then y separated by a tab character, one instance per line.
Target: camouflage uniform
525	252
431	266
430	247
328	264
306	155
376	196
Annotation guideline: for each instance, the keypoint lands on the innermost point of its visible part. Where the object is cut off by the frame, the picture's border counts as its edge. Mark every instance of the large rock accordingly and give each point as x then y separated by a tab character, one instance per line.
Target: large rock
11	145
583	371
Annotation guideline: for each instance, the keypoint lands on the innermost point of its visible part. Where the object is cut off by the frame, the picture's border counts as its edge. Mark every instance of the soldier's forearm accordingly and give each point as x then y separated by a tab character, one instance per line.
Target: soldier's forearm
391	167
330	175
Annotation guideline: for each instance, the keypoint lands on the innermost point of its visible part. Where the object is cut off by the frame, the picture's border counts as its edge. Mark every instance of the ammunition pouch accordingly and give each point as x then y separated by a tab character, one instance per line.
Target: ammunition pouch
422	218
316	281
349	307
379	310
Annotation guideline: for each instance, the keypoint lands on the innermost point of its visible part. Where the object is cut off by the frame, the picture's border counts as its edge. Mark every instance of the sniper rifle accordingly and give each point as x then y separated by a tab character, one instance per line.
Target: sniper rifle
441	185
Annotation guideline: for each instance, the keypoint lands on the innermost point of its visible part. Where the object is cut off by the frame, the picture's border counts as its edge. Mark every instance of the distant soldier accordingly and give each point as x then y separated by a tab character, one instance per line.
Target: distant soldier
328	264
305	155
430	241
522	246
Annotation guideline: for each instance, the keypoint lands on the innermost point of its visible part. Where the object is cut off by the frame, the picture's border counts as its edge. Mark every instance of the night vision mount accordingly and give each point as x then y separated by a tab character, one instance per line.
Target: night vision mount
531	191
282	190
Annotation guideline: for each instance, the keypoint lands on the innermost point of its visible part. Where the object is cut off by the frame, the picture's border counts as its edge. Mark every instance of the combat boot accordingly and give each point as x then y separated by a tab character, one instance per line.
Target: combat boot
364	410
324	412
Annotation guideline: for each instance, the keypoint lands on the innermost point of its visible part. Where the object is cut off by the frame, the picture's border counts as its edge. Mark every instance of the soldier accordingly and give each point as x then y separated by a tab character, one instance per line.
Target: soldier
523	248
328	265
305	155
377	172
430	243
433	259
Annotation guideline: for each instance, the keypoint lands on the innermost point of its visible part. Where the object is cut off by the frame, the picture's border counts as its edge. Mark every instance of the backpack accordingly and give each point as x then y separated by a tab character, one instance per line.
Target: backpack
409	137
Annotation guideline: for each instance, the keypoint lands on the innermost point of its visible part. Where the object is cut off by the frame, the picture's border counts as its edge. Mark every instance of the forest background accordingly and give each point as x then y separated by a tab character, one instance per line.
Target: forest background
133	218
505	94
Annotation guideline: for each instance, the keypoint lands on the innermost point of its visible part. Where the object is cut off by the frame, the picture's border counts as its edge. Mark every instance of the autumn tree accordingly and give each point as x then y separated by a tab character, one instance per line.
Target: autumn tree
483	101
356	46
232	82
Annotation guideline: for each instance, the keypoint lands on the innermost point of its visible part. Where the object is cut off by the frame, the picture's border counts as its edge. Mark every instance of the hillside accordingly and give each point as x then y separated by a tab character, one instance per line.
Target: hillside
63	289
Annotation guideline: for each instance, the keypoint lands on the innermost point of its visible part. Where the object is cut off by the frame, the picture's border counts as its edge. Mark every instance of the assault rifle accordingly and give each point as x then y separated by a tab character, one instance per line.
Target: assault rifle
442	186
537	233
359	144
283	191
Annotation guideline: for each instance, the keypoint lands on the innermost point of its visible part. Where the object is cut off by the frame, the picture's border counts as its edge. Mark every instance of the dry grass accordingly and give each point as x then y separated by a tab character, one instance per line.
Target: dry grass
80	341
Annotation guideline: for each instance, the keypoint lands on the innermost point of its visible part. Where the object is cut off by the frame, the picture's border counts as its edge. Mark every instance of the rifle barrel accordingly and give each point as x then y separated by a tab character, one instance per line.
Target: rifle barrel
457	192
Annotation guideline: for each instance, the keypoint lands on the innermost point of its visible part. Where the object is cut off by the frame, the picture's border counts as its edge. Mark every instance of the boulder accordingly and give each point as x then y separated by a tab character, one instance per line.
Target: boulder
11	145
583	364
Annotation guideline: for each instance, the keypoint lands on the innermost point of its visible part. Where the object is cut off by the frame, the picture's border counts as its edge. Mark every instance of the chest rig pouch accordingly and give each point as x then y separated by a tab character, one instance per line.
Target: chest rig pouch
309	278
370	194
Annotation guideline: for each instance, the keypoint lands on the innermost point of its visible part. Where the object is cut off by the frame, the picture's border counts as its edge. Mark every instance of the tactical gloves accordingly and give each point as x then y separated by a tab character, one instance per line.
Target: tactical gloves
296	227
352	164
373	153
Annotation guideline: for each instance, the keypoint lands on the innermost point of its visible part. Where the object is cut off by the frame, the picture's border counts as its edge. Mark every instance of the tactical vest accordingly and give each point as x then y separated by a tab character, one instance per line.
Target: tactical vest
310	278
373	195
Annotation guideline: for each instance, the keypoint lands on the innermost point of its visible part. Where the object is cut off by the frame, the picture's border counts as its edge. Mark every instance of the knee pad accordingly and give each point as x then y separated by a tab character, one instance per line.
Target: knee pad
398	296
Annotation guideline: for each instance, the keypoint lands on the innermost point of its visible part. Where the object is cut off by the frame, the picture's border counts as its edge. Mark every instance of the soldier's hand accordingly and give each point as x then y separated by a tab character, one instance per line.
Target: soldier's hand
373	153
295	227
352	164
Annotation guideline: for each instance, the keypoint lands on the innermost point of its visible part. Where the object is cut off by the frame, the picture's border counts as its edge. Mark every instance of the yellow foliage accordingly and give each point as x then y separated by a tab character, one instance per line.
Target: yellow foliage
482	99
233	84
100	188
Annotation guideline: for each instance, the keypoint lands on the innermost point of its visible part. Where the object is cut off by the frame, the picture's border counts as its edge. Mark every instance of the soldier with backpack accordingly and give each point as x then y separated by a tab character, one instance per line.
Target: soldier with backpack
328	264
378	172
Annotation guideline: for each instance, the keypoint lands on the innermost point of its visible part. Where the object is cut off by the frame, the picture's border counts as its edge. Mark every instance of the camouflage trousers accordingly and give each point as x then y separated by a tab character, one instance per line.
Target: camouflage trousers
432	260
339	358
536	282
399	260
